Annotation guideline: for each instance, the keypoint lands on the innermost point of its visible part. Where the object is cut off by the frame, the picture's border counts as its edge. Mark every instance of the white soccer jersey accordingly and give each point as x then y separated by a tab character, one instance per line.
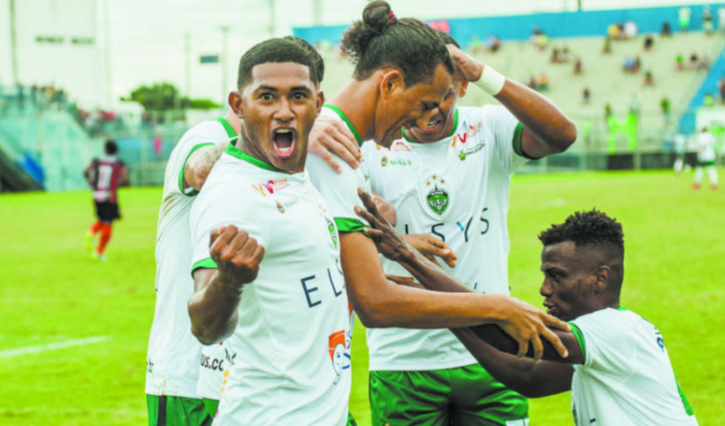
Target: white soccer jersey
457	190
705	148
173	352
627	378
292	364
215	360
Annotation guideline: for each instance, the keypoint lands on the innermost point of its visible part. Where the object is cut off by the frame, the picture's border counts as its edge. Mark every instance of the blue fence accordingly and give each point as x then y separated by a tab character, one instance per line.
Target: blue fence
555	25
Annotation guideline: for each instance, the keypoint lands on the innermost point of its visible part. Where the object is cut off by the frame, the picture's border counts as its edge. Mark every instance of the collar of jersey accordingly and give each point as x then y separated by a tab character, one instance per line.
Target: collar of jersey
344	118
228	127
453	129
236	152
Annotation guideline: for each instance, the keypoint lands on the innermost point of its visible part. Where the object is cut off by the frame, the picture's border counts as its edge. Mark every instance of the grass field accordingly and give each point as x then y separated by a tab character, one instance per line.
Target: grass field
50	291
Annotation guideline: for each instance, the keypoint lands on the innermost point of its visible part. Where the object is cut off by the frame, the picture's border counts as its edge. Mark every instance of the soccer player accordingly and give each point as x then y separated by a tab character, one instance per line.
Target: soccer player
450	180
402	74
705	159
269	275
104	175
618	369
172	365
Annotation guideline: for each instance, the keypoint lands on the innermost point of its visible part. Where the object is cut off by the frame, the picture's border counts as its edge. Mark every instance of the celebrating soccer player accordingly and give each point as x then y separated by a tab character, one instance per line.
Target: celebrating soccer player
104	175
449	181
618	368
269	276
402	74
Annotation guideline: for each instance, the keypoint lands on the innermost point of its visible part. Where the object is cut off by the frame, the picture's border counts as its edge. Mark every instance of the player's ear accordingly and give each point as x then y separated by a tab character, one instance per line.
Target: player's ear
601	276
235	102
464	88
391	82
320	99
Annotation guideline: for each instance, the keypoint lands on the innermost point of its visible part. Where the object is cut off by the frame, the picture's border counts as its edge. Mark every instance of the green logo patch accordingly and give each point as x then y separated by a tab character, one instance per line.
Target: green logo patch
438	200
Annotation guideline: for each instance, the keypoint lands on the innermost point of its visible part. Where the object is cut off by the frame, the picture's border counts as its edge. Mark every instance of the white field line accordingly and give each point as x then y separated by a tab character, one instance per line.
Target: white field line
52	346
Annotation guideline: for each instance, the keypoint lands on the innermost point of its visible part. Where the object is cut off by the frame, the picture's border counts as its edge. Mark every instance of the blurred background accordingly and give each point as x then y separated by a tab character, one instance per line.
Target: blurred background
633	74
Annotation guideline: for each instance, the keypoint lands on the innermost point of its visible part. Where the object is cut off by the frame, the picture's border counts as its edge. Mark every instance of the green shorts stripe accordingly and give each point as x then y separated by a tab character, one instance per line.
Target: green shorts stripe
464	396
176	411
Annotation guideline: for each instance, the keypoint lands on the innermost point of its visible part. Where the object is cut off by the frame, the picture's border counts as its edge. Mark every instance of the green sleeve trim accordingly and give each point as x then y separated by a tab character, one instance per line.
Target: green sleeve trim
347	121
516	142
345	224
207	263
579	338
192	191
685	402
228	127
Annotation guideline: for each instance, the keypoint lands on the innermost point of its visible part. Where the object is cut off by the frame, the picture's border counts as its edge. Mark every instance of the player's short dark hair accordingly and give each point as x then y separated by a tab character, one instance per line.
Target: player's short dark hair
274	50
591	229
381	40
447	38
110	148
319	62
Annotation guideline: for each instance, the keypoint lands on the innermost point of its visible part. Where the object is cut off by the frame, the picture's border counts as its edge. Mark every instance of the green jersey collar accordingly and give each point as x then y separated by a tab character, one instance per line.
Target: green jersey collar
453	129
228	127
236	152
344	118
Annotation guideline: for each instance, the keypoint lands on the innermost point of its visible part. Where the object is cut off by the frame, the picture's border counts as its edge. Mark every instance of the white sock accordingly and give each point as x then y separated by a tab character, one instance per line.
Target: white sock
712	174
698	174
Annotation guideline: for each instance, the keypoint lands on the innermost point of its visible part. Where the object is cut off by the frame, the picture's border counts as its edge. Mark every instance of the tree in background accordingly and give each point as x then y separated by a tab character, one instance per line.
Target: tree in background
165	96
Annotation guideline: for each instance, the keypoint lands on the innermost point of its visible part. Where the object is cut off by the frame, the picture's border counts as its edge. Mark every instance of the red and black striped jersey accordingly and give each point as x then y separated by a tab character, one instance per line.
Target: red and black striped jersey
104	176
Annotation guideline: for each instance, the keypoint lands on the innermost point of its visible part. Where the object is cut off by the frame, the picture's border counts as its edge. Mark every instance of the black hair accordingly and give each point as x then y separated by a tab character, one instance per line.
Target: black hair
447	38
592	229
110	148
319	62
381	40
274	50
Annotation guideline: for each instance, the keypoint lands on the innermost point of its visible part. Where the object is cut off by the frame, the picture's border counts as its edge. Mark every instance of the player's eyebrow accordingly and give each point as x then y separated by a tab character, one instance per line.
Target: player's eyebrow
266	88
301	89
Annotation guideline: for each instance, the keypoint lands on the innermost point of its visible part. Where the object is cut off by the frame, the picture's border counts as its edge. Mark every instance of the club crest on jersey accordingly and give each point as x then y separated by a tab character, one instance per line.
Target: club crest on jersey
333	231
339	353
438	199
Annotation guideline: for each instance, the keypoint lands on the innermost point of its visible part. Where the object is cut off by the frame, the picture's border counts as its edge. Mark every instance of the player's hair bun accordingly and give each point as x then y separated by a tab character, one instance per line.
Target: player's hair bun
375	21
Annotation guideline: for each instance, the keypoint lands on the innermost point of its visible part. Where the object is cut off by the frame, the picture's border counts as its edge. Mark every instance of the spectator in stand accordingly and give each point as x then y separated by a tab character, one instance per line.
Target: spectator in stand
709	100
628	65
649	79
684	18
630	30
539	38
721	88
613	31
608	114
475	45
493	43
666	30
586	96
532	83
665	107
707	20
694	61
543	82
649	42
704	63
578	66
721	18
679	62
555	56
607	45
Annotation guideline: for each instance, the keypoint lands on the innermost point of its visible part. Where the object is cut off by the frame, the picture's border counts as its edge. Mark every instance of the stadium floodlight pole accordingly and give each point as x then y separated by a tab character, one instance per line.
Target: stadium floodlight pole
13	44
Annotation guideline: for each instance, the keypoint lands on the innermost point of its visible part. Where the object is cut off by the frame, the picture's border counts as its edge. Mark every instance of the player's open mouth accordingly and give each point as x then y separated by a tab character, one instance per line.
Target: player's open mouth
284	142
432	126
550	308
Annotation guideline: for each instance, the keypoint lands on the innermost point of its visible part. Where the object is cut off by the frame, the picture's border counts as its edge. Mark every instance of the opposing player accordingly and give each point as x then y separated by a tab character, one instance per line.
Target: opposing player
104	175
705	159
450	180
618	369
285	307
402	74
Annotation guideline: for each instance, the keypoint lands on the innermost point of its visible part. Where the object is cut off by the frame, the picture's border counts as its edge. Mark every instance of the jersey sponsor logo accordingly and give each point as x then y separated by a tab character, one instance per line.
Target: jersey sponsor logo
339	350
271	186
440	230
468	132
309	287
283	207
438	198
149	366
214	364
384	161
333	231
396	147
464	153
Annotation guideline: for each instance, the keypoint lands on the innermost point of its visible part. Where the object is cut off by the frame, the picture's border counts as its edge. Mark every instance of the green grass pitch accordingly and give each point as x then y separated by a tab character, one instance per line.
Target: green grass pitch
51	291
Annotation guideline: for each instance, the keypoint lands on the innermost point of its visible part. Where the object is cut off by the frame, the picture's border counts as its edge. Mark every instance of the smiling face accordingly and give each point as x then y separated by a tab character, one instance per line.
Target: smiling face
279	107
440	124
570	281
408	107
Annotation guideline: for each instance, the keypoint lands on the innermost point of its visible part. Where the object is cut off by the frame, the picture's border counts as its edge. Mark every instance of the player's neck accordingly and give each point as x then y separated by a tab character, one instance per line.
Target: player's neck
357	101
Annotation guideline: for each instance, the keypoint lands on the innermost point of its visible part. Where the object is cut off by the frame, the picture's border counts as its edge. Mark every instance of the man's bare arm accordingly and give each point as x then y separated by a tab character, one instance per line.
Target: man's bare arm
525	376
547	130
213	306
199	164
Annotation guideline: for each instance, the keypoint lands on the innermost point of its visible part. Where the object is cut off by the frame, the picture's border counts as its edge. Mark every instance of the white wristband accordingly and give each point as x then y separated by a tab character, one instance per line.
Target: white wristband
491	81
